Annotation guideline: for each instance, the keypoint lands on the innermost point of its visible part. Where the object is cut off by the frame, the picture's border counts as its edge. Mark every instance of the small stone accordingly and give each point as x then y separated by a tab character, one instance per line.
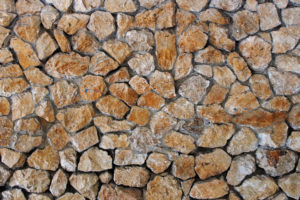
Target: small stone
61	40
94	160
13	194
112	106
32	180
257	187
280	196
211	189
165	49
213	15
101	64
71	65
75	118
125	23
273	136
85	139
120	76
161	123
268	16
71	23
124	92
86	6
142	140
192	39
131	176
139	116
186	187
102	24
6	131
117	192
73	196
183	66
239	66
5	56
48	16
227	5
210	55
183	19
216	136
240	103
86	184
68	159
120	6
284	40
27	27
260	86
257	52
151	100
194	88
112	141
289	184
293	117
37	77
18	108
4	175
142	64
4	106
45	110
140	40
128	157
293	141
58	137
59	183
216	95
180	142
193	5
288	63
12	159
183	167
158	162
214	113
25	53
29	125
219	38
107	124
105	177
3	34
8	5
118	50
276	162
291	16
224	76
11	71
163	187
46	159
84	42
139	84
277	103
284	83
212	164
163	84
26	143
92	88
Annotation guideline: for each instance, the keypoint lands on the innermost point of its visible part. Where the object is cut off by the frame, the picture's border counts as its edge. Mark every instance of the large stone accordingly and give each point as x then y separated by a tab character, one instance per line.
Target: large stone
183	167
165	15
239	66
293	141
224	76
214	113
129	157
59	183
35	76
8	5
18	108
140	40
118	50
112	106
244	102
180	108
26	143
108	124
86	6
71	23
210	189
289	184
158	162
293	117
163	84
4	106
64	93
101	64
85	139
67	159
277	103
29	125
61	40
12	71
142	64
192	5
131	176
11	86
288	63
58	137
291	16
48	16
120	6
13	194
161	123
143	140
274	136
92	88
180	142
268	16
28	27
209	55
86	184
12	159
227	5
192	39
285	39
219	38
183	19
84	42
213	15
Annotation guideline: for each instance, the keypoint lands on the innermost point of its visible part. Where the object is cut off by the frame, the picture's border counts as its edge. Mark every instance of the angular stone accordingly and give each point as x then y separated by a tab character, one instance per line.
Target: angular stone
274	136
26	143
163	187
284	83
116	192
58	137
120	76
277	103
101	24
180	142
61	40
12	71
125	23
192	39
281	3
150	3
71	65
183	19
6	131
284	40
161	123
4	106
180	108
224	76
142	64
35	76
67	159
165	49
291	16
71	23
118	50
142	140
86	184
94	160
211	189
240	103
46	159
13	194
147	19
139	84
107	124
25	53
183	167
28	27
216	95
112	106
12	159
288	63
112	141
29	125
216	136
268	16
158	162
193	5
209	55
5	56
124	92
183	66
73	196
86	6
212	164
131	176
293	117
165	17
239	66
5	174
75	118
140	40
151	100
32	180
140	116
128	157
219	38
8	5
48	16
289	184
101	64
213	15
84	42
105	177
92	88
227	5
45	110
85	139
293	141
18	108
59	183
163	83
260	86
120	6
194	126
62	5
64	93
3	34
214	113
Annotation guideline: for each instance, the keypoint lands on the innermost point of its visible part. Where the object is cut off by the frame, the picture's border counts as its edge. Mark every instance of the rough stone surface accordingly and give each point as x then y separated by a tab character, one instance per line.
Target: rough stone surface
290	16
192	39
268	16
180	142
112	141
85	139
67	159
118	50
142	64
59	183
131	176
107	124
211	189
140	40
86	184
158	162
71	23
58	136
128	157
289	184
92	88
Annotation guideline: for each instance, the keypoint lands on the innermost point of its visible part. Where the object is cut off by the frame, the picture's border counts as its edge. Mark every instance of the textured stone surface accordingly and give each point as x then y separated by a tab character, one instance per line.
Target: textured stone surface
192	39
86	184
128	157
113	106
67	159
118	50
290	16
180	142
289	184
268	16
85	139
71	23
131	176
158	162
211	189
12	159
59	183
107	124
166	49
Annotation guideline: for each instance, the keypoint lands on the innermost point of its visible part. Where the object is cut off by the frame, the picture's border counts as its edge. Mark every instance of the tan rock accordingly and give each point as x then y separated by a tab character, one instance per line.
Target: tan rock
12	71
192	39
212	164
120	6
215	136
277	103
116	192
124	92
183	66
58	137
101	24
227	5
150	3
293	117
158	162
274	136
125	23
180	142
30	125
8	5
216	95
289	184
48	16
59	183
183	167
5	174
131	176
211	189
161	123
140	116
143	140
193	126
112	141
72	196
101	64
209	55
61	5
260	86
13	194
293	141
219	38
129	157
85	139
71	23
118	50
244	23
12	159
39	93
163	83
240	103
151	100
120	76
18	108
183	19
3	35
139	84
37	77
67	159
105	177
25	53
290	16
84	42
112	106
5	56
165	49
268	16
146	19
86	6
107	124
45	110
28	27
214	113
4	106
284	40
61	40
223	76
6	131
63	65
186	187
92	87
281	3
180	108
165	18
86	184
142	64
239	66
26	143
140	40
288	63
214	16
64	93
194	5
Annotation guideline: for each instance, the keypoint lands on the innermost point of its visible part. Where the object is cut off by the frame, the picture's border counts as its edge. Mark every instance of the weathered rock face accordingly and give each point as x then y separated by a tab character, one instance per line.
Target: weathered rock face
59	183
86	184
289	184
85	139
116	192
158	162
71	23
211	189
131	176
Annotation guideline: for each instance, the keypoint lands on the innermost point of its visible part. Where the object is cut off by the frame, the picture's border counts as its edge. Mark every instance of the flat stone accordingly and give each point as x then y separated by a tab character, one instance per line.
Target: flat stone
277	103
120	76
227	5
18	108
73	196
165	49
102	24
118	50
61	40
291	16
140	40
213	15
293	141
219	38
280	196
71	65
211	189
151	100
37	77
212	164
158	162
183	19
67	159
180	108
32	180
124	92
86	184
244	23
186	187
214	113
163	83
84	42
268	16
116	192
3	34
112	106
194	5
64	93
284	83
183	66
112	141
257	52
224	76
5	56
59	183
11	71
142	64
107	124
257	187
161	123
180	142
293	117
139	84
163	187
260	86
4	175
28	27
241	167
183	167
13	194
25	53
274	136
131	176
192	39
58	137
71	23
29	125
140	116
8	5
86	6
101	64
147	19
289	184
243	141
209	55
288	63
165	17
284	39
125	23
62	5
216	136
120	6
45	111
94	160
143	140
216	95
105	177
281	3
244	102
239	66
6	131
85	139
128	157
48	16
4	106
92	88
12	159
26	143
